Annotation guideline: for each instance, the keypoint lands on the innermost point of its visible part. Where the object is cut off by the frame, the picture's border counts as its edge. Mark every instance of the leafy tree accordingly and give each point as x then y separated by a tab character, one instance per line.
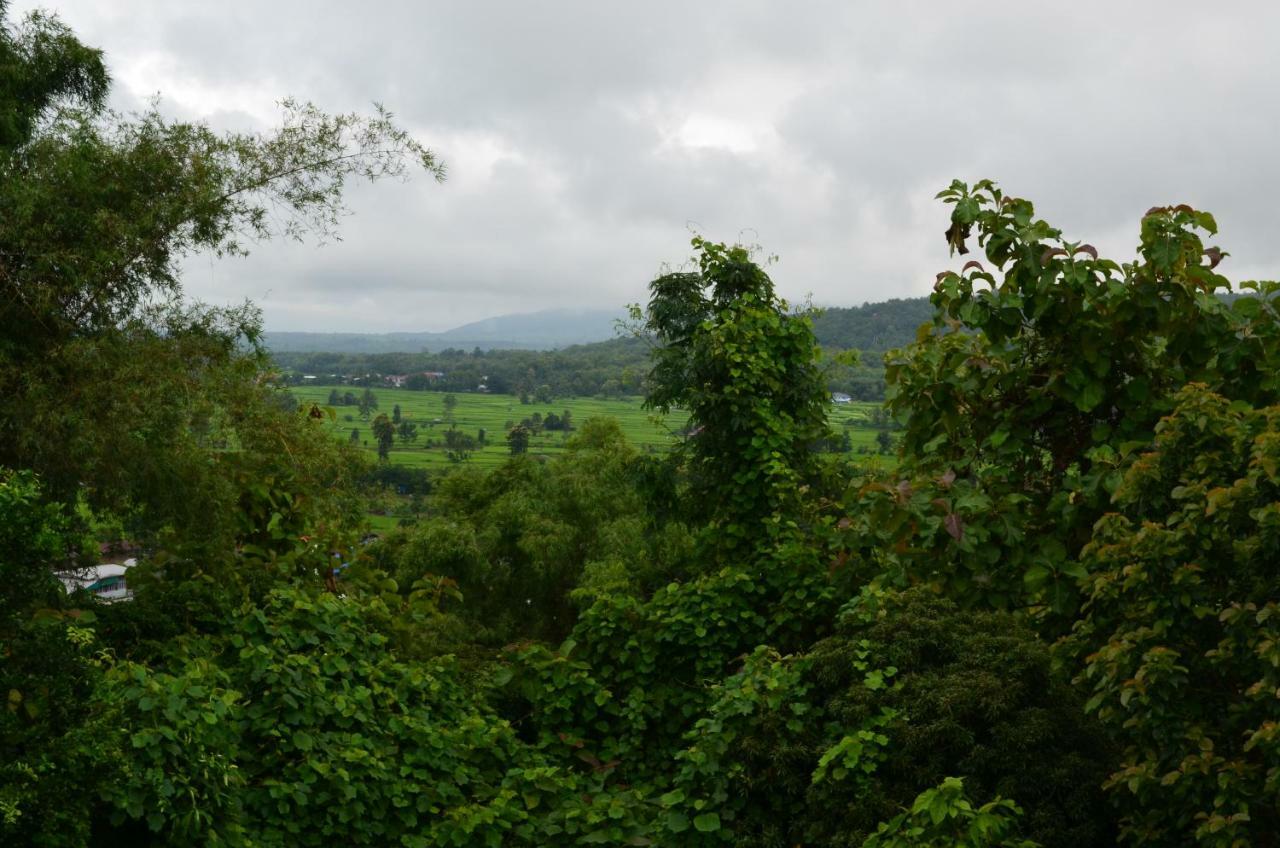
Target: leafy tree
1090	449
450	404
405	480
395	414
100	209
554	423
45	67
385	432
334	398
518	439
542	394
1178	646
745	370
458	445
884	442
408	432
943	817
368	403
1043	370
355	436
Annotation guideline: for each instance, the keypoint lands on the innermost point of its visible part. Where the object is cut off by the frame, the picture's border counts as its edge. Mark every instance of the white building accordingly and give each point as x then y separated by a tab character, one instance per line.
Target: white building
106	581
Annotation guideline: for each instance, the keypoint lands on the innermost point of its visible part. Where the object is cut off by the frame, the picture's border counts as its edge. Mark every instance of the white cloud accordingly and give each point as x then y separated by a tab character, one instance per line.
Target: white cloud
585	139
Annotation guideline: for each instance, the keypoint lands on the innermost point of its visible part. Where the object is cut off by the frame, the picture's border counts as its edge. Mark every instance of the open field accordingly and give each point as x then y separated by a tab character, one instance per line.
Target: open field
496	414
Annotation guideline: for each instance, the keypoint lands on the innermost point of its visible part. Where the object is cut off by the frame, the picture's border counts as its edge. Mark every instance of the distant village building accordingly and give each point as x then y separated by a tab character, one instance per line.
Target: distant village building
106	581
840	397
399	381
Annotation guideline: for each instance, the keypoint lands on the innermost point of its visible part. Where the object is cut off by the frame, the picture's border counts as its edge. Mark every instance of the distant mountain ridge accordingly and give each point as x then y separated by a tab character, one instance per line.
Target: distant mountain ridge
870	327
544	330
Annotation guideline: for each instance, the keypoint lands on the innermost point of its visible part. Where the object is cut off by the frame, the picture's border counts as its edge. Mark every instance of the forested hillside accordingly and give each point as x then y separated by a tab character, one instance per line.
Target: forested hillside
1053	621
872	327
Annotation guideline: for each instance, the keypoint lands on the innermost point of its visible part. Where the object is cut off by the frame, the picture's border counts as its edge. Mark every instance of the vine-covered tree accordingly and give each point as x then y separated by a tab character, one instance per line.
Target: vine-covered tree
731	354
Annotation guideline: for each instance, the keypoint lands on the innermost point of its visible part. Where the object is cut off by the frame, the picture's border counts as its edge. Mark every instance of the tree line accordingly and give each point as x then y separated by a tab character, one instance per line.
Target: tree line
613	368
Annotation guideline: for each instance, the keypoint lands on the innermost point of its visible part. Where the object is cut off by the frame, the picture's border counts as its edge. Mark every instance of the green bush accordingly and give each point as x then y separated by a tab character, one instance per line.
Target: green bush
301	727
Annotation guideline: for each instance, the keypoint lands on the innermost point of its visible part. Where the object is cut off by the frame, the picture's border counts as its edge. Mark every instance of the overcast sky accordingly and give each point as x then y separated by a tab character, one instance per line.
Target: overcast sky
586	140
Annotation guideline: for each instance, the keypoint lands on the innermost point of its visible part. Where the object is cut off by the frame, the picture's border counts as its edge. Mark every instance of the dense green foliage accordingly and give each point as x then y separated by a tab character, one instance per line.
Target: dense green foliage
1179	641
1067	362
909	690
1052	623
530	542
300	727
53	743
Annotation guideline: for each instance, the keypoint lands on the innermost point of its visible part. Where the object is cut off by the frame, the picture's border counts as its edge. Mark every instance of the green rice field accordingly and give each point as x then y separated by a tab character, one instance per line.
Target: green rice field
496	414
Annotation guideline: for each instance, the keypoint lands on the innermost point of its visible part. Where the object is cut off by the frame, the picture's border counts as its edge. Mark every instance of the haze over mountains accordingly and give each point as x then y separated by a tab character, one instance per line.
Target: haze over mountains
872	326
544	330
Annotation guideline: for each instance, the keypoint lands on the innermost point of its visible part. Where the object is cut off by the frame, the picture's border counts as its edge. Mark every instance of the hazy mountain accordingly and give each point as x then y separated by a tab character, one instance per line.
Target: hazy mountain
552	328
870	327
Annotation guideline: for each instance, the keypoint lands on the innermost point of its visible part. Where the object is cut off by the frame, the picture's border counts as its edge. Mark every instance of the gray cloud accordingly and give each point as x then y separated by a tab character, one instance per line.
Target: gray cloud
584	139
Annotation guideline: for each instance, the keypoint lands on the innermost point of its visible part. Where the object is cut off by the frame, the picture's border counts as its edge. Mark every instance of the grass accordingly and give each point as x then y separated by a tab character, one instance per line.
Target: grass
496	414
